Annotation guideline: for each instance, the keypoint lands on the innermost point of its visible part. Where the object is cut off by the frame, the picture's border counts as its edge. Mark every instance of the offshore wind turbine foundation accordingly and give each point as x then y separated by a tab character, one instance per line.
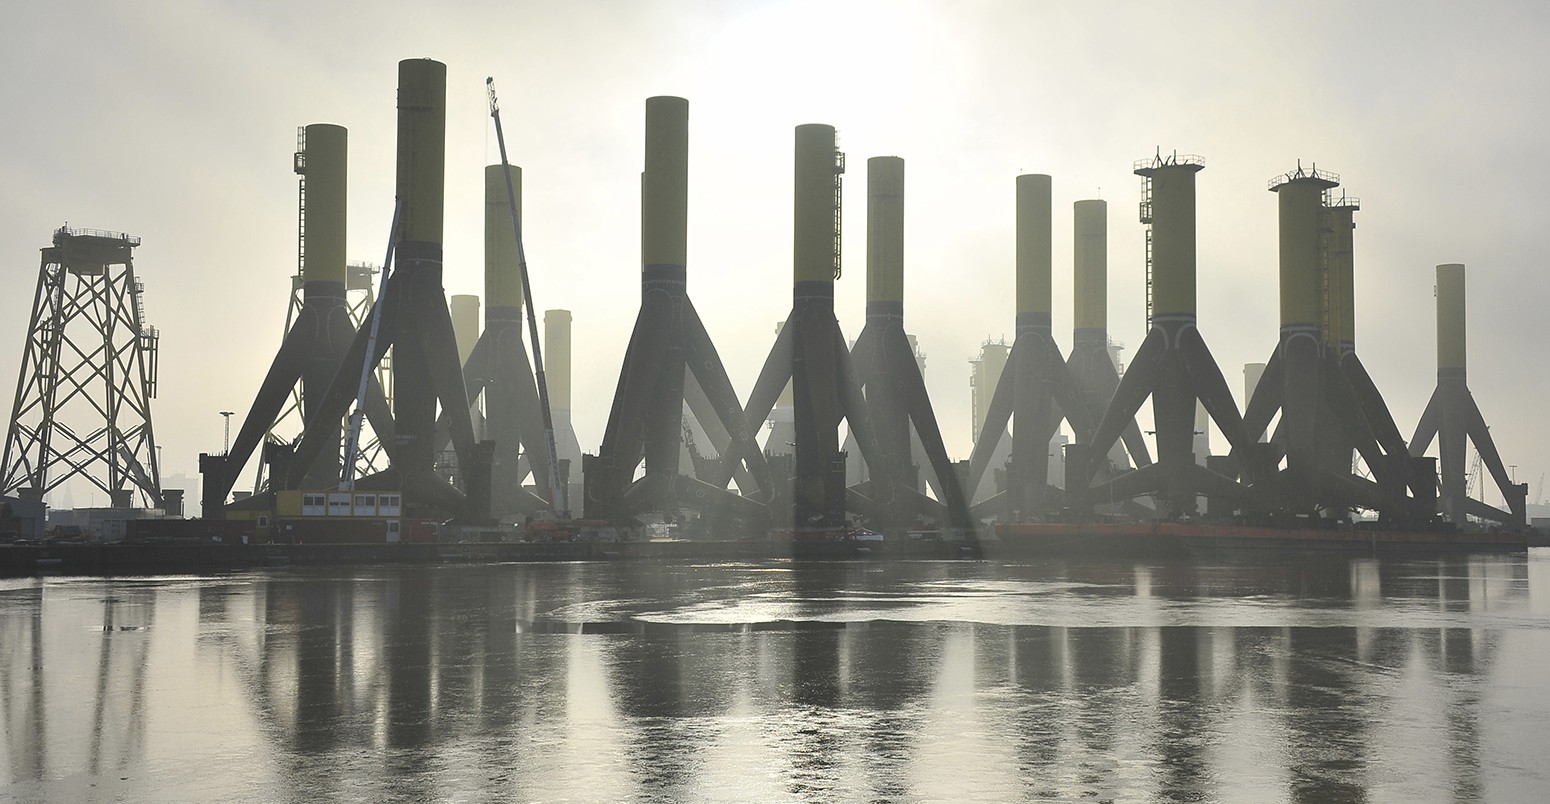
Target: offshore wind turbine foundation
1315	458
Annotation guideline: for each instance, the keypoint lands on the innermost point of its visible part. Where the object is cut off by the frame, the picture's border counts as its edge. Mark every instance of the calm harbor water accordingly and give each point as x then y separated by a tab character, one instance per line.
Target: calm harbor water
1252	679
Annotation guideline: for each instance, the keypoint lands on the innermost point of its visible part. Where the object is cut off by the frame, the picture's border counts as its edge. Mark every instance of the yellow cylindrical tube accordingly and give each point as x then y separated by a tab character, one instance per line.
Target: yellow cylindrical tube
665	183
885	230
1341	270
1034	243
1173	239
502	274
557	354
814	239
1090	282
327	177
422	138
1451	354
1301	203
465	324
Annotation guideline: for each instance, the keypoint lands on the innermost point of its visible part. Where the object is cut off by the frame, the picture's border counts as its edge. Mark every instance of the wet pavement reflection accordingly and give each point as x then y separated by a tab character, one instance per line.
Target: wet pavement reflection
1252	679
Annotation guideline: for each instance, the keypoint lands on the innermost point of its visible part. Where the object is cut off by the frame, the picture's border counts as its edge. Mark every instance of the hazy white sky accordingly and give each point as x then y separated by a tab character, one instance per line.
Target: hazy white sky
176	121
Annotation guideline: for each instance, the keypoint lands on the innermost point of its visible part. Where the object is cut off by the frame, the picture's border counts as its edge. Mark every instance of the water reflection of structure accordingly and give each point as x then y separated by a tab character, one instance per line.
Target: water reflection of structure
1312	681
92	720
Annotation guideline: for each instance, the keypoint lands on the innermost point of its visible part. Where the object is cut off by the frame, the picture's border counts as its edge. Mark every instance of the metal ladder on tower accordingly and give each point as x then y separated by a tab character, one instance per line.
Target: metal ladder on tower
839	172
293	405
1145	214
150	339
1326	234
299	165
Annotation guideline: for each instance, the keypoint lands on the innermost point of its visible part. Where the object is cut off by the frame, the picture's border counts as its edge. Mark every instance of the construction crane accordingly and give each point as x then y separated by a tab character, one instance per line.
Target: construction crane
1474	480
557	502
702	464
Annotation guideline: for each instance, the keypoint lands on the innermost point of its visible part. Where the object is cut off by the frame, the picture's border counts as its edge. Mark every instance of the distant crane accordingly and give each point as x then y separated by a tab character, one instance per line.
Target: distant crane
702	464
1474	479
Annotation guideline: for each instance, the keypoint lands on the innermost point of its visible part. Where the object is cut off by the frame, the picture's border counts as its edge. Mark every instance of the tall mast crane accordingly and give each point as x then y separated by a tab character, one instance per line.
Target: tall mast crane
557	502
353	439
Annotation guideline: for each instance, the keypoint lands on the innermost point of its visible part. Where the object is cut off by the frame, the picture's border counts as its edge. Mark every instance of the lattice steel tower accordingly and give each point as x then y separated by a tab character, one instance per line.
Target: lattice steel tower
83	395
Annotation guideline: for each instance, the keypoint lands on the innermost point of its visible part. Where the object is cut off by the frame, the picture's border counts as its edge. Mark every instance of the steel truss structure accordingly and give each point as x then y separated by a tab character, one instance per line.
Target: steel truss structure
83	394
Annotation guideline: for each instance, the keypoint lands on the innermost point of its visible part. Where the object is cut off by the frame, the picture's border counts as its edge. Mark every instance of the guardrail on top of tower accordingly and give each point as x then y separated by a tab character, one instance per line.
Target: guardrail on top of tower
67	231
1302	173
1169	160
299	163
1342	201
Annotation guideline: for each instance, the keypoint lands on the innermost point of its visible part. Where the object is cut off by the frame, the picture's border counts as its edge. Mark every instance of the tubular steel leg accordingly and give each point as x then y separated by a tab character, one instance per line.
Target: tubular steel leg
1374	409
711	375
335	404
993	429
1133	389
1304	390
1426	428
1031	405
515	372
664	419
919	405
1211	388
1452	438
1069	401
625	437
773	377
446	371
378	411
853	407
284	372
816	408
1266	399
1480	435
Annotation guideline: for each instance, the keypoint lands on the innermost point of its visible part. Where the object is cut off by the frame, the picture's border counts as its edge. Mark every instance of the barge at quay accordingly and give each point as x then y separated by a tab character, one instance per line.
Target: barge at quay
188	558
1005	541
